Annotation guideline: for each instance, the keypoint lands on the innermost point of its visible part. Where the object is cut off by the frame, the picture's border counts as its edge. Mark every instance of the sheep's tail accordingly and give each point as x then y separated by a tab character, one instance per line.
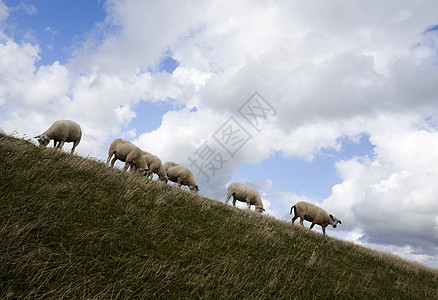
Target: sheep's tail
293	208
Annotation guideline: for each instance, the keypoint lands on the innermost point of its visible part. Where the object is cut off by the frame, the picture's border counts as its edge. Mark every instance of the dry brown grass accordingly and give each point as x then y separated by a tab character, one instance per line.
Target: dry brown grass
73	228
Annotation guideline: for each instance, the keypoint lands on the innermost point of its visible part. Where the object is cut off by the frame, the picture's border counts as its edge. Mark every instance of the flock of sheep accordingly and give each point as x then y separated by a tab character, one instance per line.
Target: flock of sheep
147	164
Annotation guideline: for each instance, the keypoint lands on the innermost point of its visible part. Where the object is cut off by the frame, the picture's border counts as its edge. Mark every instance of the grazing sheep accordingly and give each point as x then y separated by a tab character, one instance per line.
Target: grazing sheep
181	175
60	132
155	166
129	153
316	215
169	164
244	193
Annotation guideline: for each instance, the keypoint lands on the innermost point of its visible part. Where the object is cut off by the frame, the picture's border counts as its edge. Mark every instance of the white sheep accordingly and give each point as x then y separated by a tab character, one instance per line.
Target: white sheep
316	215
129	153
169	164
60	132
245	193
181	175
155	166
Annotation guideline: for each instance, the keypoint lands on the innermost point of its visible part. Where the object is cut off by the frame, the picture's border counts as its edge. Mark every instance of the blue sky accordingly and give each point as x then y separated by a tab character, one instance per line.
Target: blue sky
354	122
311	178
55	25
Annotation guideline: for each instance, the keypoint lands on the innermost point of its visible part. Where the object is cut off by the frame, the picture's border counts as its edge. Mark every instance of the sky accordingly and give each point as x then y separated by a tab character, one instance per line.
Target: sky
330	102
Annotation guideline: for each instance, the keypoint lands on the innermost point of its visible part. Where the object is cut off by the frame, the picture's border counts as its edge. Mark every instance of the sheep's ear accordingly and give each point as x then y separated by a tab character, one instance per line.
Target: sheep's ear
332	217
340	222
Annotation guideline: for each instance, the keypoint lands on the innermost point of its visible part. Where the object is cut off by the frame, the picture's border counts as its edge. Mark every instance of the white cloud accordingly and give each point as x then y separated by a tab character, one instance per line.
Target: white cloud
27	8
48	84
261	184
392	196
17	59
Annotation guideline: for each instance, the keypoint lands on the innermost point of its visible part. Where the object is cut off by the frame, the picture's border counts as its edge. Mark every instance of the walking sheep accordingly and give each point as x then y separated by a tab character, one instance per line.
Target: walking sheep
155	166
244	193
61	132
181	175
129	153
316	215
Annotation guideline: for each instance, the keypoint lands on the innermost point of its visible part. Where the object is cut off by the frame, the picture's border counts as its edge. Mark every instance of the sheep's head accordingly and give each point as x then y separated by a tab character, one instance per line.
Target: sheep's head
334	221
194	189
142	171
43	140
163	178
260	209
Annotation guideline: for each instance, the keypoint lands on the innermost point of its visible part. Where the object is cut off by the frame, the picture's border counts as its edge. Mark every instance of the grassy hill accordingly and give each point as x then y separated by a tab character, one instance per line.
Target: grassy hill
73	228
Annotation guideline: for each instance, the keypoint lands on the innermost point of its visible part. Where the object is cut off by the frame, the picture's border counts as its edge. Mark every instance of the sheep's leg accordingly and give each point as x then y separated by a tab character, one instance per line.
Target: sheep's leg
323	231
127	165
54	143
178	181
110	154
75	143
113	161
311	225
228	198
301	221
234	200
249	204
294	219
61	144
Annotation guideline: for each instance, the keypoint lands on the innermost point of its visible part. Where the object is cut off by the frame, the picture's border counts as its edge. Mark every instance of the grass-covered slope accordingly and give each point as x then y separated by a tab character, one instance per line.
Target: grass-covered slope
73	228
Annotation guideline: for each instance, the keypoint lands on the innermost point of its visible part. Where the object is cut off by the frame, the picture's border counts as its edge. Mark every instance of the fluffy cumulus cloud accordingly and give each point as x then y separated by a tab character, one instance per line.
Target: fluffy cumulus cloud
390	199
330	70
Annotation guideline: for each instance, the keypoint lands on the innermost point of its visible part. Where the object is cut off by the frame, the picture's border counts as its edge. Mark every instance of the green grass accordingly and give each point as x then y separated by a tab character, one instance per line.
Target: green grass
73	228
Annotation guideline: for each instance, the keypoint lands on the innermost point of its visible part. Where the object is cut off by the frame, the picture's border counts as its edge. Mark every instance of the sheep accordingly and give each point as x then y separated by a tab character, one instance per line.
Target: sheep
60	132
244	193
155	166
129	153
316	215
169	164
181	175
